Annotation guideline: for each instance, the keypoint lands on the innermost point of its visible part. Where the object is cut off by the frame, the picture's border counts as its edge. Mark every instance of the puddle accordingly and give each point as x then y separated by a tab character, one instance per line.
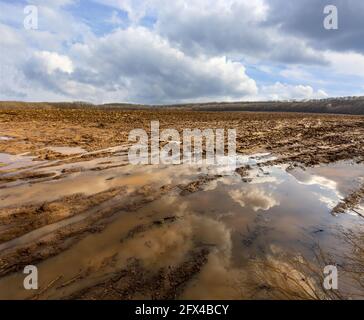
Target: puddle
237	218
6	138
9	162
68	150
332	183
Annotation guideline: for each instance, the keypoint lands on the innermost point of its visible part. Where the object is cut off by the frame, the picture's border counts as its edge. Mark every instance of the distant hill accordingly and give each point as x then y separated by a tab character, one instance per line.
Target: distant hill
350	105
346	105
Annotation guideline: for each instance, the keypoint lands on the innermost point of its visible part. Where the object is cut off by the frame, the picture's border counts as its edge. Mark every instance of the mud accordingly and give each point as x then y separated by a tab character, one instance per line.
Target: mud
303	138
136	281
100	228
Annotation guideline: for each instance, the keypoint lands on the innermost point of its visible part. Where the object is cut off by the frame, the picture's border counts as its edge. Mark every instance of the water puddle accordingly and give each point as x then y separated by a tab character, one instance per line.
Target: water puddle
10	162
68	150
6	138
332	183
237	218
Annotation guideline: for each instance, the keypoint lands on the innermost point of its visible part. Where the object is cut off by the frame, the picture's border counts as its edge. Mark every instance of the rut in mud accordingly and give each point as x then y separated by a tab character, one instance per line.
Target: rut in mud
99	228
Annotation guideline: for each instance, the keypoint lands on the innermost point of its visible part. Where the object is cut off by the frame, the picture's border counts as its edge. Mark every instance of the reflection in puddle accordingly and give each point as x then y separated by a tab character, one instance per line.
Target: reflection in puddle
6	138
234	219
256	198
332	183
16	161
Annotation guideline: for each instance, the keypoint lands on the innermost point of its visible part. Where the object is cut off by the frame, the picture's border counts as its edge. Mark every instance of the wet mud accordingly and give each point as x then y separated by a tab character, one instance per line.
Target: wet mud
99	228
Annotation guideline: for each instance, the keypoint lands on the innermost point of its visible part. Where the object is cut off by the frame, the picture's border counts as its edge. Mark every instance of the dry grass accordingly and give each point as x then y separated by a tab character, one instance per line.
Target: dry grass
288	277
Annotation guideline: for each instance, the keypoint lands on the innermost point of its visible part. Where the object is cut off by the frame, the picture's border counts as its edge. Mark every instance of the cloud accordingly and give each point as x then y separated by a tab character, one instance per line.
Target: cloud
349	63
305	18
255	198
295	73
115	19
52	61
140	66
187	51
232	28
282	91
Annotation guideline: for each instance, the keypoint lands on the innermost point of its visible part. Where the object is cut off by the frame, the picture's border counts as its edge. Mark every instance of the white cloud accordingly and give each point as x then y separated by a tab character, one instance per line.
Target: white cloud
255	198
195	51
145	65
52	61
137	65
349	63
115	19
283	91
295	73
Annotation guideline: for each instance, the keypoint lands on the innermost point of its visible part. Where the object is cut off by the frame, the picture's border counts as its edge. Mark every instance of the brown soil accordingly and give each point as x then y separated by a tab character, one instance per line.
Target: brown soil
12	260
296	139
137	281
303	138
25	218
195	186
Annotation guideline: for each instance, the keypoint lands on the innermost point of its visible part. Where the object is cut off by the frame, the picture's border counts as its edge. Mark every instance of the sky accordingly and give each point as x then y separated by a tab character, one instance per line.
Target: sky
163	51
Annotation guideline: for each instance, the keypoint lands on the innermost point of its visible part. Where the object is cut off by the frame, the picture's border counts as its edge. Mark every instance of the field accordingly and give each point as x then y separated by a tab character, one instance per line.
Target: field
99	228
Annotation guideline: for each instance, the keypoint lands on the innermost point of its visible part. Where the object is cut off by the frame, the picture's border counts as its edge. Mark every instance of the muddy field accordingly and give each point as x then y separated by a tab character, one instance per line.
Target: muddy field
99	228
